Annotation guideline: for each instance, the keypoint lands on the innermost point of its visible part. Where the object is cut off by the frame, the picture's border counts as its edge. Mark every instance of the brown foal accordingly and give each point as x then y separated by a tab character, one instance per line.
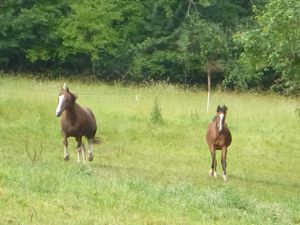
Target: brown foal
218	137
77	122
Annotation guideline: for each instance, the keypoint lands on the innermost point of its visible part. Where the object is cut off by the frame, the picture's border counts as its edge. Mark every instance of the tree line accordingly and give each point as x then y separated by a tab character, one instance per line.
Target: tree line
243	44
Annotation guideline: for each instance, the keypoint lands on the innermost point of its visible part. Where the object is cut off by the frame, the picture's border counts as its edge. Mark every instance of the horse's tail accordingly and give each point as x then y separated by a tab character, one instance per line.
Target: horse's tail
97	140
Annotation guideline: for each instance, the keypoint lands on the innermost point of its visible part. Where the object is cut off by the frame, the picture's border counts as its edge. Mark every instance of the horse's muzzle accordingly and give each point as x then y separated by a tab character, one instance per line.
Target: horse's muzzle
58	114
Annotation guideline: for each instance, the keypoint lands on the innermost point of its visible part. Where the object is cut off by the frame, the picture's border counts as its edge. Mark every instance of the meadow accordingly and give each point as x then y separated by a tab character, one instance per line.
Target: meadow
147	171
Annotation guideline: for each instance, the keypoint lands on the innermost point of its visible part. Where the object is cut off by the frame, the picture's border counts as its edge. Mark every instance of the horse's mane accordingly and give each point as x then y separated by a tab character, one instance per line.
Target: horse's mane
73	96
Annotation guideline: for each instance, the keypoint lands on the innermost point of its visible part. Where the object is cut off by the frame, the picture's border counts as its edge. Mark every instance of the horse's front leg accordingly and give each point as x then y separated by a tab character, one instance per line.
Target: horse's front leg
66	152
80	149
224	162
213	169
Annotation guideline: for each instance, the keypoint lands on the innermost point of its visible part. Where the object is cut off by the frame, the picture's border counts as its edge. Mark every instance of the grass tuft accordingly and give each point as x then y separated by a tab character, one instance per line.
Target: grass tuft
156	115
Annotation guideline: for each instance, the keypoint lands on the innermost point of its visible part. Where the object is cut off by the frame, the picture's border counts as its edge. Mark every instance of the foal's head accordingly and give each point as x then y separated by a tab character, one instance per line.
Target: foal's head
220	117
66	100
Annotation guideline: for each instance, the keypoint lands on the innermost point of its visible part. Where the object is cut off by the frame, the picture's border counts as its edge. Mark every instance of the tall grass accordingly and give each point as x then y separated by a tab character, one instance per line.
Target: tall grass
156	115
144	172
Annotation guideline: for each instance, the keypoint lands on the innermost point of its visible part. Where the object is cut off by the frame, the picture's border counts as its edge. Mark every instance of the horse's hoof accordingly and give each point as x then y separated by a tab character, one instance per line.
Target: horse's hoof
91	157
215	174
225	177
211	173
66	157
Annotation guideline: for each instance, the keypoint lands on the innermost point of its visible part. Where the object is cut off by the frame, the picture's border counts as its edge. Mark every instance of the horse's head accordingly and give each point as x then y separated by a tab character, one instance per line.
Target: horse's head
221	116
66	100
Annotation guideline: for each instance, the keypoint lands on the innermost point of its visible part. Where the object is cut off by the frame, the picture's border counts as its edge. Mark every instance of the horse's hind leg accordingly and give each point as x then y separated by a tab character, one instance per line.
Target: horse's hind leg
90	150
224	163
66	152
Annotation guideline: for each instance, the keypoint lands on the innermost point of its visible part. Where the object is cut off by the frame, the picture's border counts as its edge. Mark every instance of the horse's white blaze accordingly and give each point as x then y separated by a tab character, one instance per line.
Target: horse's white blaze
60	102
221	121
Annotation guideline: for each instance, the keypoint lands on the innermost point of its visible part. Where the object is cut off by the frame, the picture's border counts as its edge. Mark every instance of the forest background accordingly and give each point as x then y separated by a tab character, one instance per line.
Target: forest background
244	44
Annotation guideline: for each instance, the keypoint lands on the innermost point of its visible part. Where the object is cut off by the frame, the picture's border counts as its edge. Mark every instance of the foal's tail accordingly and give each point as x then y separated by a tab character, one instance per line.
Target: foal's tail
97	140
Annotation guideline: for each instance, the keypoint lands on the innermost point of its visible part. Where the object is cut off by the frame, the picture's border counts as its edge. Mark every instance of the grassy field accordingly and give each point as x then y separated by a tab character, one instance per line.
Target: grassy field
145	172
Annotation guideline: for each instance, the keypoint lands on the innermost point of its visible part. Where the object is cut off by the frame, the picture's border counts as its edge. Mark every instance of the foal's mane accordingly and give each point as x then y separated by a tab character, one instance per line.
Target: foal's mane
73	96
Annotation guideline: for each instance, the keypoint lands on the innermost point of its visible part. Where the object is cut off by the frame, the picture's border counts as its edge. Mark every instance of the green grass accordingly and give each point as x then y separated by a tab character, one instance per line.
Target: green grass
146	172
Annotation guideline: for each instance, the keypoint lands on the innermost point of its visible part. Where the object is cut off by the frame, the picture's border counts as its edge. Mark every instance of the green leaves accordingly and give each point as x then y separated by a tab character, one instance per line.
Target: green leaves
90	27
102	30
170	40
275	41
27	32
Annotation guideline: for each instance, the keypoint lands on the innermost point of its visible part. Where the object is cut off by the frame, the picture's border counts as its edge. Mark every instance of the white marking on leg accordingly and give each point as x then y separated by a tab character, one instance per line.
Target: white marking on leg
83	152
90	146
215	174
78	154
90	150
60	102
211	172
221	121
225	177
66	153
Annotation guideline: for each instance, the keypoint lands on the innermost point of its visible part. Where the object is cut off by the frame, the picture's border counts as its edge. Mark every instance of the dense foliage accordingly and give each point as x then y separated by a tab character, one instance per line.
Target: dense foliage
271	50
174	41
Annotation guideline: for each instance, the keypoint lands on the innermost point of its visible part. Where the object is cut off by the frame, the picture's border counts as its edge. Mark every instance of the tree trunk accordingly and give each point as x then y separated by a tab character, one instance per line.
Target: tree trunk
208	88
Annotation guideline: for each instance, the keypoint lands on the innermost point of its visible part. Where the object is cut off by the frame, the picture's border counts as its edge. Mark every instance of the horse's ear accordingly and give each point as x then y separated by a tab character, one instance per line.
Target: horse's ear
65	87
218	108
224	108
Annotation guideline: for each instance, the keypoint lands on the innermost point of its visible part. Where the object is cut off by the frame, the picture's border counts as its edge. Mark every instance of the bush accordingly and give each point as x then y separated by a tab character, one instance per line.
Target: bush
156	116
242	77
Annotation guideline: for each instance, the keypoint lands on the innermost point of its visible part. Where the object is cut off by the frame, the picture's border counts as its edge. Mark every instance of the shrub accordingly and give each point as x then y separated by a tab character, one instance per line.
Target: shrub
156	116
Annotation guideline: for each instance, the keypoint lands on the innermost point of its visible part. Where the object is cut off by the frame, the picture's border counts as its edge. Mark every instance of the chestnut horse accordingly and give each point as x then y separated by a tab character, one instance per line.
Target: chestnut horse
75	122
218	137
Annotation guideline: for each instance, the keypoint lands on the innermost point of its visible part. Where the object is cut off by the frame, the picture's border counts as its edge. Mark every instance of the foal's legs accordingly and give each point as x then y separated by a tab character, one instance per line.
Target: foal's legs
83	152
90	150
66	153
213	170
79	149
224	163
